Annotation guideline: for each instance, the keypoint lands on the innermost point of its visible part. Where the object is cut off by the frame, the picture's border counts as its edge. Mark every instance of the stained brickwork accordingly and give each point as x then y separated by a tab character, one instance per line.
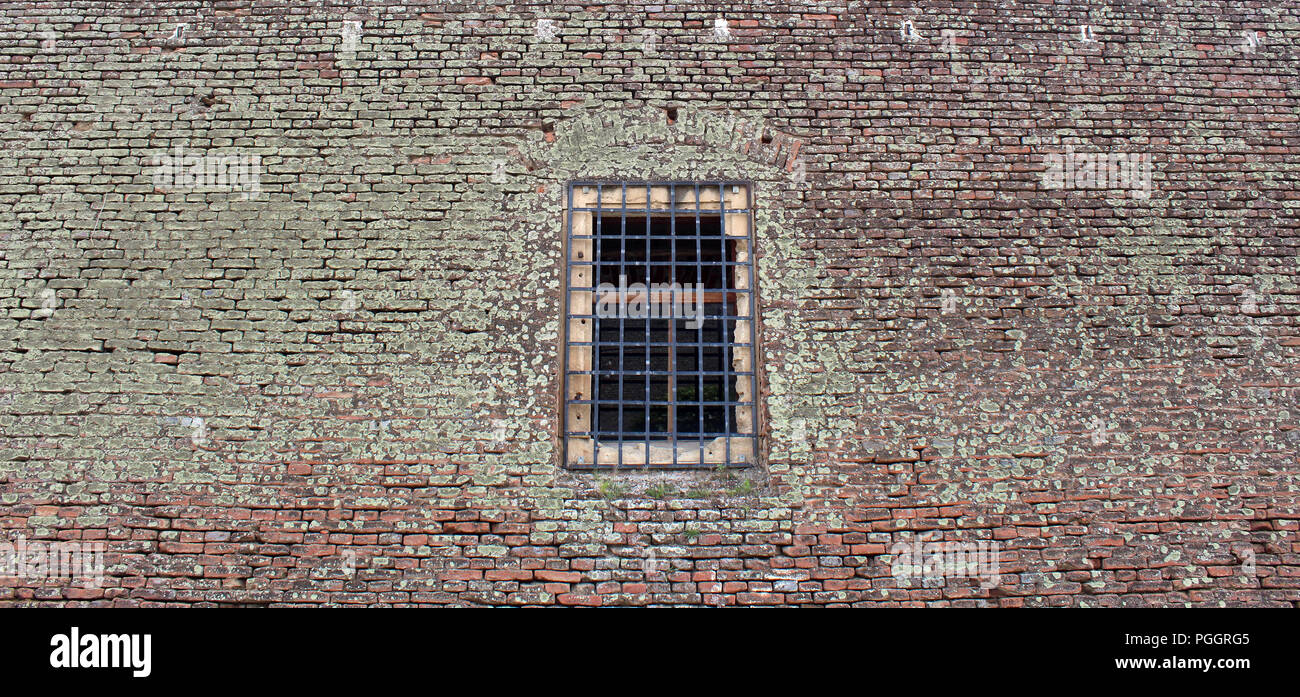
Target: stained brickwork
281	300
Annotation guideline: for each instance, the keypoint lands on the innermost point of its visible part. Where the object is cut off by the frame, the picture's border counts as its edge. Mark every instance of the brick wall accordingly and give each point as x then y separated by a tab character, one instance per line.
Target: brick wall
1025	286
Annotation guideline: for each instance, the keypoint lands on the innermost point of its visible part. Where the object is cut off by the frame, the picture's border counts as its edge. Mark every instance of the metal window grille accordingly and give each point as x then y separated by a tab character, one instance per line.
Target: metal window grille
659	345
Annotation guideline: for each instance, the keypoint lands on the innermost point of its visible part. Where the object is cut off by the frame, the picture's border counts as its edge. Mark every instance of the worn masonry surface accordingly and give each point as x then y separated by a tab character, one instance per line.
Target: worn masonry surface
281	286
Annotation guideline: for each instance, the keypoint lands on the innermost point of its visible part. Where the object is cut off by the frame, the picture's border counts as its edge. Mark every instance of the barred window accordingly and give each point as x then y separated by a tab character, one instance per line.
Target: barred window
659	342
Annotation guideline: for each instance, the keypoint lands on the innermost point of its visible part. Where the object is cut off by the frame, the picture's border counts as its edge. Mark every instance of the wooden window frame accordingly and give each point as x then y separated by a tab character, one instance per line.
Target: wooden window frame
587	200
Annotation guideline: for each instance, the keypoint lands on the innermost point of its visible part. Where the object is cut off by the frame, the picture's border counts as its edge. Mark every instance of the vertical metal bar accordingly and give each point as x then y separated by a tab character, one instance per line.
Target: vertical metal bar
649	348
699	331
672	322
726	346
596	425
622	256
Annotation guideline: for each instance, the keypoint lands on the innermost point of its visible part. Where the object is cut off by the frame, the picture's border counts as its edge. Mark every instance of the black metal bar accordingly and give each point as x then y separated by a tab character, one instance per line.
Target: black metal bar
622	255
645	405
726	351
671	417
596	326
699	331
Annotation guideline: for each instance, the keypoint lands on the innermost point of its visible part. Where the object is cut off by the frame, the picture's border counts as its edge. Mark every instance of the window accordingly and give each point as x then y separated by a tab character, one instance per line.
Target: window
659	341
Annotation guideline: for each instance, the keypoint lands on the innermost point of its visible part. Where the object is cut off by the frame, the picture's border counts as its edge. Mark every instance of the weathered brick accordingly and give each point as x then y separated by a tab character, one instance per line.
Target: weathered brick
336	380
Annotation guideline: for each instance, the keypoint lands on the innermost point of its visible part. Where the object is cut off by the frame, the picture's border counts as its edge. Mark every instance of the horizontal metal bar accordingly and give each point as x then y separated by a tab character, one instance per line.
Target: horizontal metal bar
660	403
585	467
612	435
684	318
653	373
637	264
651	213
634	344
